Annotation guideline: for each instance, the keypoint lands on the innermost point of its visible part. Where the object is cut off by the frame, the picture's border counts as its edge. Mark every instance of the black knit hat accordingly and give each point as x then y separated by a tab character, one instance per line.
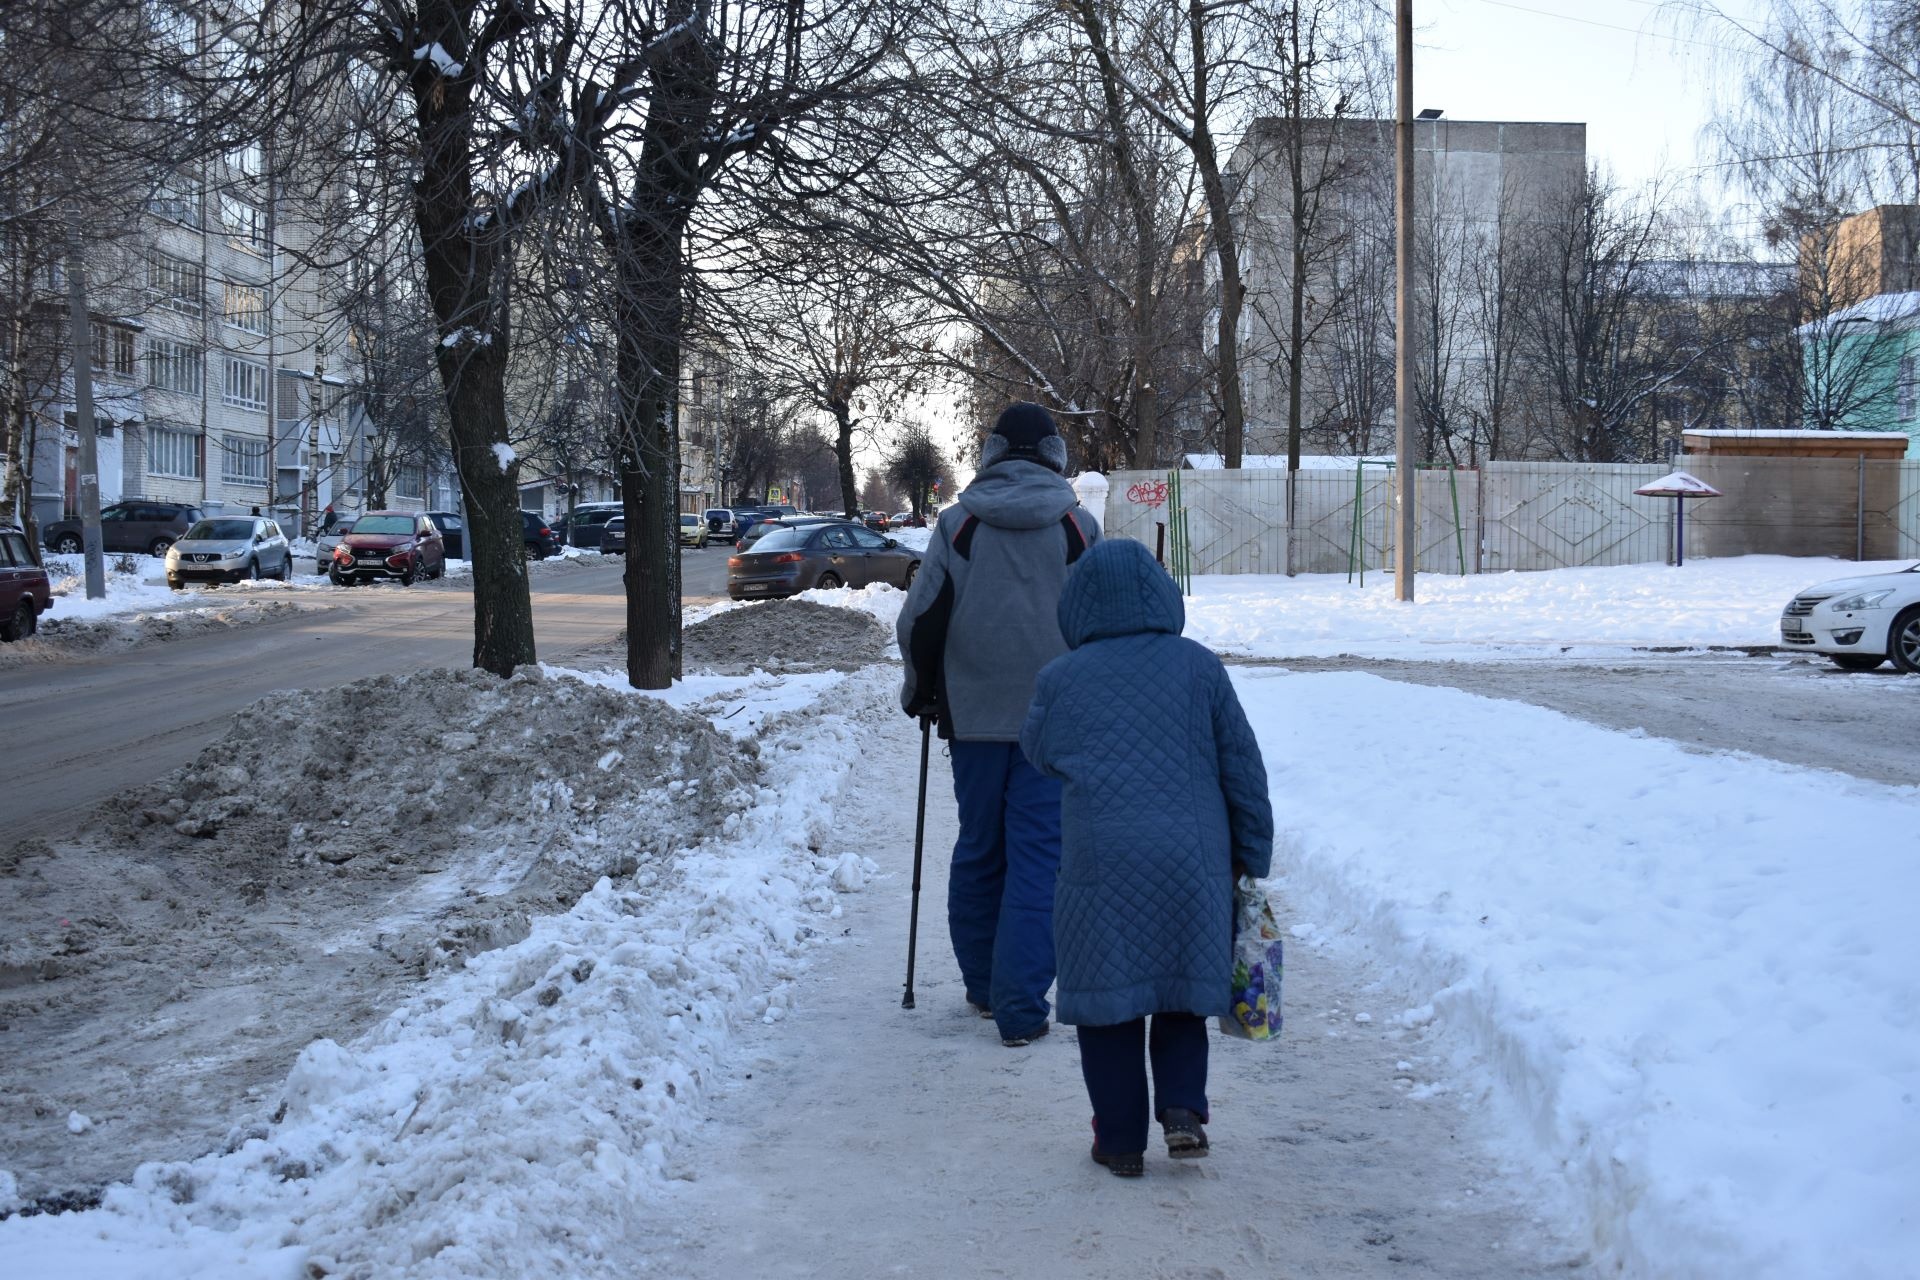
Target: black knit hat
1025	425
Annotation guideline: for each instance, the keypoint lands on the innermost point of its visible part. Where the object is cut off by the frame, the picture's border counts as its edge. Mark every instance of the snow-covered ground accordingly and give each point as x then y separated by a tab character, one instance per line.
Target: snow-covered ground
1734	602
520	1115
1674	989
142	588
1687	978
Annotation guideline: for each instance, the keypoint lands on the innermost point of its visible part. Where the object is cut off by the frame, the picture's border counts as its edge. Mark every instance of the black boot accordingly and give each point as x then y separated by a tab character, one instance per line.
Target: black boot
1129	1164
1186	1140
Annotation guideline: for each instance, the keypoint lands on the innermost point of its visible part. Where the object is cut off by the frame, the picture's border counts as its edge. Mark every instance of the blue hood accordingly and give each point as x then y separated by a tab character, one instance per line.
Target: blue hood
1118	589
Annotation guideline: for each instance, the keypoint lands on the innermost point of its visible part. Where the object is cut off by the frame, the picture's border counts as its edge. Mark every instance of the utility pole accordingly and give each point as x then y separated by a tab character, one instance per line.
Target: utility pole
82	344
310	497
1406	551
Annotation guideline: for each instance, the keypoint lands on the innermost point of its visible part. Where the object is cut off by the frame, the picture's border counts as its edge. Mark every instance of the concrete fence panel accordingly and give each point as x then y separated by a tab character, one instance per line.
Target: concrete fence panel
1557	515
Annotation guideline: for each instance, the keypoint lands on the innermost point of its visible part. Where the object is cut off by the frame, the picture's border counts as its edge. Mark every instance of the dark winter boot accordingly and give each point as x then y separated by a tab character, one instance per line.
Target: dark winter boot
979	1008
1186	1140
1022	1041
1130	1164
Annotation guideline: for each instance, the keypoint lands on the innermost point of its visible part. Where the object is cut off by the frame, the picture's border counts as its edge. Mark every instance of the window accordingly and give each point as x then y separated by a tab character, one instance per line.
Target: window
246	384
411	482
119	352
356	476
249	160
867	538
173	366
173	27
177	198
1909	392
13	550
173	453
246	223
244	306
243	460
176	284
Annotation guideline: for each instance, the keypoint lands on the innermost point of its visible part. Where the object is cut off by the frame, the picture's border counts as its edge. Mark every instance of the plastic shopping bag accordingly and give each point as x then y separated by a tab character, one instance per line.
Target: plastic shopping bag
1256	966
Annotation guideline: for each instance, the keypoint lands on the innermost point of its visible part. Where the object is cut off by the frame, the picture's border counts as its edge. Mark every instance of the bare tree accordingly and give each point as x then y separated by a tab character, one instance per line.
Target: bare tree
915	467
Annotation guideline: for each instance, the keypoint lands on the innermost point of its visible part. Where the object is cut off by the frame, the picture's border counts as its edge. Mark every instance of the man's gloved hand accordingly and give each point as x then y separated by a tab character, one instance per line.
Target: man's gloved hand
925	706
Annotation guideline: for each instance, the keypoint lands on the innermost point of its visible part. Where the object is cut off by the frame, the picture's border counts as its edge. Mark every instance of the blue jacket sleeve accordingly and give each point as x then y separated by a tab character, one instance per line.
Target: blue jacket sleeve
1243	780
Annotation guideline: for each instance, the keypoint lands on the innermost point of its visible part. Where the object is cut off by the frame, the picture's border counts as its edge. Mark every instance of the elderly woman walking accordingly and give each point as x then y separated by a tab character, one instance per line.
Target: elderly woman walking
1164	802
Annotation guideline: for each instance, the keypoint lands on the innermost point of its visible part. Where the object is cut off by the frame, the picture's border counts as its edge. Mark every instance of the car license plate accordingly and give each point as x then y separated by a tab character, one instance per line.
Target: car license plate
753	586
1791	624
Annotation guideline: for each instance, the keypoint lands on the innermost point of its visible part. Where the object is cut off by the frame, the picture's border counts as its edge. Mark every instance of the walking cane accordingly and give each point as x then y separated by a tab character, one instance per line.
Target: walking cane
919	843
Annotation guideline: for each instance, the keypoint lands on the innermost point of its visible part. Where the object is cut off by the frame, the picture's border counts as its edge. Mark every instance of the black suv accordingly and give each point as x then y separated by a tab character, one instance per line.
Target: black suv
541	540
135	525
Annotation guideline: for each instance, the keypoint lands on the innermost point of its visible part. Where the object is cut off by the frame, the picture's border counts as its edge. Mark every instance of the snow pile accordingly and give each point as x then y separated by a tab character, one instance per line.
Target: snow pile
1733	602
800	634
1690	977
521	1115
400	769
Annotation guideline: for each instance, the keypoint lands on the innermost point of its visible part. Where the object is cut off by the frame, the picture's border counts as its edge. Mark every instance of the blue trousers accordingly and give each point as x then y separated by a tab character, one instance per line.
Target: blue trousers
1000	891
1116	1075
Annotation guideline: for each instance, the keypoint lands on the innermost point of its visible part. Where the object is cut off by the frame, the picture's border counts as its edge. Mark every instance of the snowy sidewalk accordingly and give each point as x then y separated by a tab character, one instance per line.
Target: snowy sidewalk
859	1139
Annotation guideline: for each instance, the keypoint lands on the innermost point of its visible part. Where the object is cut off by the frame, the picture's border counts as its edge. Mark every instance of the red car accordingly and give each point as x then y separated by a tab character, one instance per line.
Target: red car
390	544
25	593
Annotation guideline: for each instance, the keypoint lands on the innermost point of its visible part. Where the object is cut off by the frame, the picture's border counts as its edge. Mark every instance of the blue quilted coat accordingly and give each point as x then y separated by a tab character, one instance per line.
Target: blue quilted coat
1163	792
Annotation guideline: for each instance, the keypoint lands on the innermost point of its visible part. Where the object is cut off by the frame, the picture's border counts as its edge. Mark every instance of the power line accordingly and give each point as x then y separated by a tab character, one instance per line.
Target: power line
1614	26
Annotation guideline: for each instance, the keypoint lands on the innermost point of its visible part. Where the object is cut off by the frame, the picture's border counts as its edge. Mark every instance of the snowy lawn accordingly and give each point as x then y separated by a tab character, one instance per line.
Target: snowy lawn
519	1116
1733	602
1690	977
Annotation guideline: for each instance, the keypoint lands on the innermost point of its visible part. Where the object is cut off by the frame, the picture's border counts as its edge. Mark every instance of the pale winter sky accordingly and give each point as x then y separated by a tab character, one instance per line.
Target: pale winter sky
1640	80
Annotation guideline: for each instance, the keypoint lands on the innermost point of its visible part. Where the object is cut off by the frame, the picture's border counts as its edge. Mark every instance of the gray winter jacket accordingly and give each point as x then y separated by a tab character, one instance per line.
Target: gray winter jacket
983	615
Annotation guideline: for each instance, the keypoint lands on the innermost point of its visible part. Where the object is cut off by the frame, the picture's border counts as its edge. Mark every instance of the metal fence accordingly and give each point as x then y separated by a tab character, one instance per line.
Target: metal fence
1527	515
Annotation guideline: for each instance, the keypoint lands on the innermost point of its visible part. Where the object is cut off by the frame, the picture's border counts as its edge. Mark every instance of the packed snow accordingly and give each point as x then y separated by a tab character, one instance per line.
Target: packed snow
503	454
1688	978
1732	602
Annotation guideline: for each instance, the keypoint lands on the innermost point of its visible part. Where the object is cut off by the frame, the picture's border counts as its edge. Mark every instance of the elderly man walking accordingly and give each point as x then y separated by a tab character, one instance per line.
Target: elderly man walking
980	622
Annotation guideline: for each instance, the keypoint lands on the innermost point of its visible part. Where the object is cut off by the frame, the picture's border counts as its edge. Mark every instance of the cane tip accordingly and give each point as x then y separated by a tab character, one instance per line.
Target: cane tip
906	1001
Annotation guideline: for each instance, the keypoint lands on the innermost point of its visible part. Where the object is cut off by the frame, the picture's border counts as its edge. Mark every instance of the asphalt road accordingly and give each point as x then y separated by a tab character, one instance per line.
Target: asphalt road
80	732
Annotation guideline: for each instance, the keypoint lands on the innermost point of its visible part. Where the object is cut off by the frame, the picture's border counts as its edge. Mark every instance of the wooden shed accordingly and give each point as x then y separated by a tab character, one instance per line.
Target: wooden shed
1872	445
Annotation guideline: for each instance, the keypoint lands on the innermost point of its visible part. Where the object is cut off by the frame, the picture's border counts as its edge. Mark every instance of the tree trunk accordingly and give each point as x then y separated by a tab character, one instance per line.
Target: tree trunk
843	455
1226	247
461	254
647	369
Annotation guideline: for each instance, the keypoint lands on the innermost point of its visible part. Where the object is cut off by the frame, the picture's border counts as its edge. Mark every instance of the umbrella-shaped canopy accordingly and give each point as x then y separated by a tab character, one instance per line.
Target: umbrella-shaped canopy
1678	484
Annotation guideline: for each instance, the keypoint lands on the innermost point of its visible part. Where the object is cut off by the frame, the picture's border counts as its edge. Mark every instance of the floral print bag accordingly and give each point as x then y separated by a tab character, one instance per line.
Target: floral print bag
1256	966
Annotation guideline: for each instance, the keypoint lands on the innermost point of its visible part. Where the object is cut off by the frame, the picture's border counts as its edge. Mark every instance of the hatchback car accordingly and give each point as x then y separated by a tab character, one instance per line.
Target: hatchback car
589	519
824	555
25	592
227	549
136	525
390	544
693	530
1859	622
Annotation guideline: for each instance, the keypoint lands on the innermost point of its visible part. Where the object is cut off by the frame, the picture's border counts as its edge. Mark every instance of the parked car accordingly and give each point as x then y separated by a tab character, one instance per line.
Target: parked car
583	527
1859	622
453	532
25	592
227	549
693	530
719	521
875	520
761	528
613	537
324	545
901	519
540	539
137	525
390	544
824	554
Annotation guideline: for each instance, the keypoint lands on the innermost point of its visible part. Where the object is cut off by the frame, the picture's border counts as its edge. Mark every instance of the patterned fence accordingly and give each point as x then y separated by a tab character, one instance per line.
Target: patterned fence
1528	515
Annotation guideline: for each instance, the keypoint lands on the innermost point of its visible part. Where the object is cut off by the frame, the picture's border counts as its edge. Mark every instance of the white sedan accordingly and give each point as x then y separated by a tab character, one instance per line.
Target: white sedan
1859	622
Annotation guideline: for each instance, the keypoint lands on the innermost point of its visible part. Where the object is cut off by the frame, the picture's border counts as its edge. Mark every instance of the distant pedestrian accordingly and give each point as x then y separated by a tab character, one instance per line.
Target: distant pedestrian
256	511
327	519
981	620
1164	805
